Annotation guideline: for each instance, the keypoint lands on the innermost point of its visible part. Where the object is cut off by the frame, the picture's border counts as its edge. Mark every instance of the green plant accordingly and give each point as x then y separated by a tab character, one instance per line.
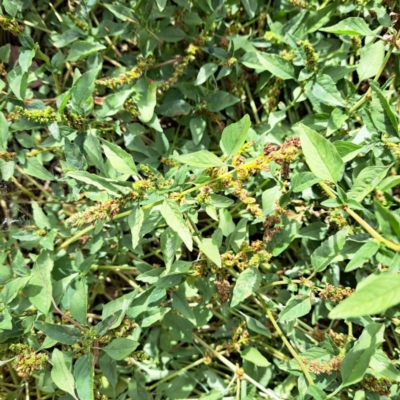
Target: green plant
200	200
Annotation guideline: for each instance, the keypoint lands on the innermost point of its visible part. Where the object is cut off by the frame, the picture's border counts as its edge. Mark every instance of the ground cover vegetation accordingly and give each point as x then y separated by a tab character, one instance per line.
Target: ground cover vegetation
199	199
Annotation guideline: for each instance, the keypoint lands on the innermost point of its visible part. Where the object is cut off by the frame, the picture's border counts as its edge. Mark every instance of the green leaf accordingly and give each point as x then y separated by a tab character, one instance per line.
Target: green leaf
63	334
205	72
297	307
316	392
145	99
324	89
118	308
35	169
246	284
114	103
25	59
170	243
79	302
356	361
303	180
41	220
173	217
210	249
256	326
95	180
382	114
314	231
278	66
11	289
197	128
234	136
119	158
371	60
347	150
389	182
120	348
135	222
39	290
83	49
374	295
367	180
61	375
282	239
321	155
254	356
3	132
328	250
363	254
180	303
353	26
200	159
18	82
172	34
84	376
220	100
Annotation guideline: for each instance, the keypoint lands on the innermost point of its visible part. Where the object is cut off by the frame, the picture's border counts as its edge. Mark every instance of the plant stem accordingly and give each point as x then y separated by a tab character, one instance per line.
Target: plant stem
233	368
286	342
252	103
368	228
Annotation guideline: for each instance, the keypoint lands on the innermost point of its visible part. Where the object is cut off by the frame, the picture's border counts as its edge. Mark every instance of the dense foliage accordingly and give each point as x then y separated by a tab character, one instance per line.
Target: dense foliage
199	199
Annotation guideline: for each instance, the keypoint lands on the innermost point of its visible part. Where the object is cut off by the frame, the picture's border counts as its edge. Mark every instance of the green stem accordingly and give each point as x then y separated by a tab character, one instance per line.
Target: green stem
368	228
234	368
252	103
286	342
377	76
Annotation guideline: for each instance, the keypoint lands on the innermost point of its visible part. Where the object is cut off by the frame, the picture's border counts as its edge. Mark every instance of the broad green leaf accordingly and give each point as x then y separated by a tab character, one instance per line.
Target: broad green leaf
210	249
41	220
257	326
295	308
338	117
316	392
220	100
197	128
356	361
3	132
254	356
170	243
35	169
317	19
83	49
347	150
172	34
314	231
205	72
25	59
145	99
246	284
79	302
234	136
303	180
367	180
39	290
389	183
63	334
18	82
273	63
173	217
180	303
324	89
371	60
84	376
328	250
119	158
61	375
226	223
135	222
321	155
95	180
200	159
118	308
114	103
363	254
375	295
381	112
11	289
382	364
120	348
353	26
282	239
